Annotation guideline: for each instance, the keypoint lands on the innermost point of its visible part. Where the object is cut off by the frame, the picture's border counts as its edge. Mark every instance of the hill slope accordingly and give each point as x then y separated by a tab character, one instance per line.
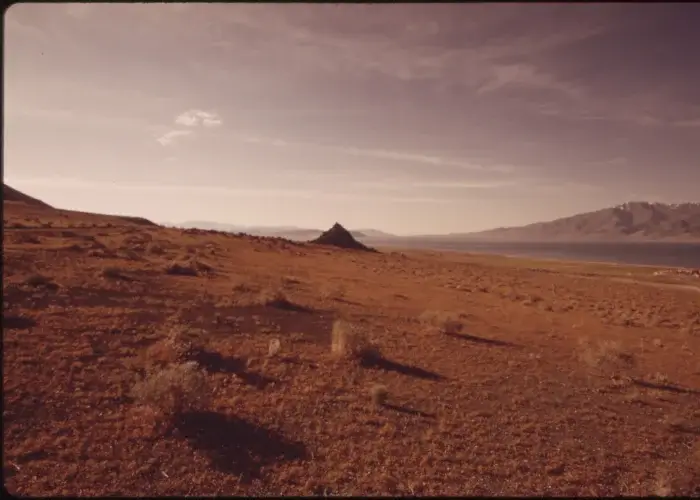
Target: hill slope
630	221
11	194
23	211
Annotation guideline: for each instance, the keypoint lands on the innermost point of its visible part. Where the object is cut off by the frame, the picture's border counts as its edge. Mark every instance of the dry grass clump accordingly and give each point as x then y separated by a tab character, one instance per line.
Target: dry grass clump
175	389
113	272
274	348
155	249
350	342
181	270
37	280
379	394
277	298
178	346
335	292
443	322
272	298
606	355
26	238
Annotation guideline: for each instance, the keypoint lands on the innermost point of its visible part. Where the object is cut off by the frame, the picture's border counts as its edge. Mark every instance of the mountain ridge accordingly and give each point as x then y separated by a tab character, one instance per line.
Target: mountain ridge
633	220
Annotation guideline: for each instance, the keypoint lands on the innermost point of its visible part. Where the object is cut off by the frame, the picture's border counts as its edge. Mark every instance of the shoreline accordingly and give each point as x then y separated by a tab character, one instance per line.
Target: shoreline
542	258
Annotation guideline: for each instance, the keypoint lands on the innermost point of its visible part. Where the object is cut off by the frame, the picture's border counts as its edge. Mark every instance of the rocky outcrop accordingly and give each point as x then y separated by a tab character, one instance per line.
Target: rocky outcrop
340	237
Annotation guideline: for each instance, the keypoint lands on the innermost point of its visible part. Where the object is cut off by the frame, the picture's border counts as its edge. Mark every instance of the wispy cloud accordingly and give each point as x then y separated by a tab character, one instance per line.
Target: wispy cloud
527	75
171	136
192	118
197	117
400	156
688	123
326	194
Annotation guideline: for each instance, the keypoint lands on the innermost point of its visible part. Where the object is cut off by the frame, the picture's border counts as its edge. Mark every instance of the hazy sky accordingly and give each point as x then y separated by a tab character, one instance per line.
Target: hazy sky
408	118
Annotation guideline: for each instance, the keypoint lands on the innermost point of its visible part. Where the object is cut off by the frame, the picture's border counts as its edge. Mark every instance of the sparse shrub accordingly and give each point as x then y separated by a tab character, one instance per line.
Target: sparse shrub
178	346
27	238
277	299
130	254
334	292
201	266
243	288
273	297
660	378
38	280
444	322
175	389
605	355
181	270
112	273
352	343
155	249
379	394
180	341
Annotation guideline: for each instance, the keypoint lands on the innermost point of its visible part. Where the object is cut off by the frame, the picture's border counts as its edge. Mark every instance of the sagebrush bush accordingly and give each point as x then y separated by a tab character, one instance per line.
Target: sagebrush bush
379	394
37	280
175	389
112	272
443	322
605	355
185	269
353	343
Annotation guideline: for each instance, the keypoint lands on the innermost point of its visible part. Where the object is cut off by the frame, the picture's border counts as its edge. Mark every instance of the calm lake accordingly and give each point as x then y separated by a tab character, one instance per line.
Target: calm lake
655	254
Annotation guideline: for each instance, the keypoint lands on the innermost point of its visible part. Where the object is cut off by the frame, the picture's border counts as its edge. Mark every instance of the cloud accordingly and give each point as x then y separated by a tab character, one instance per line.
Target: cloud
169	137
380	154
197	117
312	194
526	75
192	118
688	123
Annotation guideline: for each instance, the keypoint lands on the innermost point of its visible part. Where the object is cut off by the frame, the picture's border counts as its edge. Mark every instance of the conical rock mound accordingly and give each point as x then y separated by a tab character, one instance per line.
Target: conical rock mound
338	236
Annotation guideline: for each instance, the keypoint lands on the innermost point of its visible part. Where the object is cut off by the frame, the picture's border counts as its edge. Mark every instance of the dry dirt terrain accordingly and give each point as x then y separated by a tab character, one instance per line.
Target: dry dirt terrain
139	360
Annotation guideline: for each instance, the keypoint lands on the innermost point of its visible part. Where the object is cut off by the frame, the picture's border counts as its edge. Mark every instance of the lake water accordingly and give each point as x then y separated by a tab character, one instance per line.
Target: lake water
655	254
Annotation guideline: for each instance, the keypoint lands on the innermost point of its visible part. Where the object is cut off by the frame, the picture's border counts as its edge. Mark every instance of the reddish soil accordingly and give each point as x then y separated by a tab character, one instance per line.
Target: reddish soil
502	379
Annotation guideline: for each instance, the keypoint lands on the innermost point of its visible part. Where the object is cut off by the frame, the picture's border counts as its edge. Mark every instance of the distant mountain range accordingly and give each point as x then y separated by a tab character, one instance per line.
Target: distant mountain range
632	221
289	232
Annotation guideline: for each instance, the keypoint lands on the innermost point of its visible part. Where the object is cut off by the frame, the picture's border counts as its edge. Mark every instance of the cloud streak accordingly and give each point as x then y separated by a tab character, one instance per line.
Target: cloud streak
399	156
83	184
191	119
171	136
197	117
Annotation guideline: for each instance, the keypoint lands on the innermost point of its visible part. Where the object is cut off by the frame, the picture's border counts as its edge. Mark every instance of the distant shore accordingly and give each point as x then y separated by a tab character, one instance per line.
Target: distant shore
638	254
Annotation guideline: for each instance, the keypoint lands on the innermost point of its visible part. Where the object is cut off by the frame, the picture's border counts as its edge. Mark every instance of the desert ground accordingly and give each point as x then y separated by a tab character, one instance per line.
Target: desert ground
140	360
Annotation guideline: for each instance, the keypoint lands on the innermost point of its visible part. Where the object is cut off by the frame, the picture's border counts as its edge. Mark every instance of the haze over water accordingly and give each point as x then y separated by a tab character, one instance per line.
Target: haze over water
652	254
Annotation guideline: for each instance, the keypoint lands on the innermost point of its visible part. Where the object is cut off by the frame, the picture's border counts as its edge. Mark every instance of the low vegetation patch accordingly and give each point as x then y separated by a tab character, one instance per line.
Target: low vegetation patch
114	273
606	356
175	389
39	280
277	299
351	342
379	394
444	322
181	270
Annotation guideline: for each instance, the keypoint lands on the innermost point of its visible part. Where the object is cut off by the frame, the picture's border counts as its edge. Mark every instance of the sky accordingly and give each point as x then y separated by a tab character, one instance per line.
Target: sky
407	118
